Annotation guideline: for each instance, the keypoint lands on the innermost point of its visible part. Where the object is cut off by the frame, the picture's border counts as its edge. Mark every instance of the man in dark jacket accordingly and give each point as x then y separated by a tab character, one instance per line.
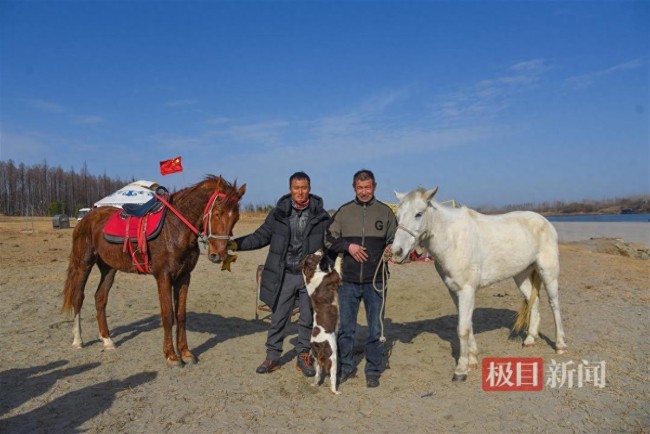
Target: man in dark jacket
293	229
362	230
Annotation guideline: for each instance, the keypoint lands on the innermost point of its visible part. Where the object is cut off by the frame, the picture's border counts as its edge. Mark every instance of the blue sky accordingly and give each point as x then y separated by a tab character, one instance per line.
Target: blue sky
494	102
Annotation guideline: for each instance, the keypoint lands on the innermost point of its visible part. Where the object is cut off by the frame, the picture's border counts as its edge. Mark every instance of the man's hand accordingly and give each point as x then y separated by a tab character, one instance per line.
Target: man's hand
358	252
388	253
232	246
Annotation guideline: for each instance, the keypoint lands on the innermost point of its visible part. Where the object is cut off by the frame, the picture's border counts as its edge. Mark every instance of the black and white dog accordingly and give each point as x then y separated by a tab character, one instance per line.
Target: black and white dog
322	287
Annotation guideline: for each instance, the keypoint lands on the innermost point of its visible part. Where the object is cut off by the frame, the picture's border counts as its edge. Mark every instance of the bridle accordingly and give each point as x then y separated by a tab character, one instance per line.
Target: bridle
207	214
408	231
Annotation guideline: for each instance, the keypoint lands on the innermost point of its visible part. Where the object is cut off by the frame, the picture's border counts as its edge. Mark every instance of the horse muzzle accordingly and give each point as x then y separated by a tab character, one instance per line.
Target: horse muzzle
399	254
215	258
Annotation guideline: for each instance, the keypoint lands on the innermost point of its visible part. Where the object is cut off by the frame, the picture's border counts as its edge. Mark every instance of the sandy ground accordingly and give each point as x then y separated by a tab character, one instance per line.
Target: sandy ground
46	386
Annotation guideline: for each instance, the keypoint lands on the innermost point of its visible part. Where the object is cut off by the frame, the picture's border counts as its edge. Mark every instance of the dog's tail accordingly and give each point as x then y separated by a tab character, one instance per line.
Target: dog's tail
338	263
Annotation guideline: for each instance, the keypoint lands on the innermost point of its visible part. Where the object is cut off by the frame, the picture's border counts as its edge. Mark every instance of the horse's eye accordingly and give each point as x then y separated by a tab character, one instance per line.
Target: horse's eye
418	215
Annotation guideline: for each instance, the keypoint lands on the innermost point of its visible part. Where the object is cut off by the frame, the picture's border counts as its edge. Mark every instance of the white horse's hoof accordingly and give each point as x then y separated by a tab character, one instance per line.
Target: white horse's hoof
108	343
109	346
77	345
529	345
459	377
336	392
561	350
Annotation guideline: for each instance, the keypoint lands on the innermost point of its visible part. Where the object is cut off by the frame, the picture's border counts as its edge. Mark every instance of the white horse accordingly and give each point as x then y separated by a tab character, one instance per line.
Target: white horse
472	250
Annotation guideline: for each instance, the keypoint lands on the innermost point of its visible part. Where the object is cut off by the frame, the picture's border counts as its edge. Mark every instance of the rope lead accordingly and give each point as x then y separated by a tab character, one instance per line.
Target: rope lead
384	273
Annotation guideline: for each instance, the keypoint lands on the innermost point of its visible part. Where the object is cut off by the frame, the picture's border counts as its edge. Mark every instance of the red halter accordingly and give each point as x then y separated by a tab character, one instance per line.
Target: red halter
207	214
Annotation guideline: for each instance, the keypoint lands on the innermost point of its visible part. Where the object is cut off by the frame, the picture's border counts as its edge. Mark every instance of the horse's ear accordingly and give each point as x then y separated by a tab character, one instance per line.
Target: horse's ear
399	195
430	193
241	191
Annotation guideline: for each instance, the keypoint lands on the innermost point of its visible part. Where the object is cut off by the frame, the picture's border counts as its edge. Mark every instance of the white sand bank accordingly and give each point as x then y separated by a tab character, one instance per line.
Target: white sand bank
636	232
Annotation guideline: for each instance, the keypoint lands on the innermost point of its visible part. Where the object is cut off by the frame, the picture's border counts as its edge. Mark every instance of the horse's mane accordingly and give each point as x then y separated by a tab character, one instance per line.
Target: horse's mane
420	191
209	183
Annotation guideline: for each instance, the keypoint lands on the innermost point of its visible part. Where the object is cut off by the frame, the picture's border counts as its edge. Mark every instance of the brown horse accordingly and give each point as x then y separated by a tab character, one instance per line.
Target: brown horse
211	206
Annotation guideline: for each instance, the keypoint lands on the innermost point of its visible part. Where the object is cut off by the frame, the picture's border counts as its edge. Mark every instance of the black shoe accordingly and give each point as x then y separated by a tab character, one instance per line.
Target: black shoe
268	366
346	375
305	364
372	381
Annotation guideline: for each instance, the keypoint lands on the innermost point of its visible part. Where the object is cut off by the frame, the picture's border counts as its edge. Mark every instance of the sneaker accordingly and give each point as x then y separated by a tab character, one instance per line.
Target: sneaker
346	375
372	381
305	364
268	366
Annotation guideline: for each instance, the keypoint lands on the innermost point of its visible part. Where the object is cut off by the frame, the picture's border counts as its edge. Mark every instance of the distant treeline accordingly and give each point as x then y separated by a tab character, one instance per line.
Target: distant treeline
628	204
40	190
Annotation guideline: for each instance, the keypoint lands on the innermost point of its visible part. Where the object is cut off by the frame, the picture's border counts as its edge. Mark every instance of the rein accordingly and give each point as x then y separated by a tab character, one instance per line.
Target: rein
207	214
384	272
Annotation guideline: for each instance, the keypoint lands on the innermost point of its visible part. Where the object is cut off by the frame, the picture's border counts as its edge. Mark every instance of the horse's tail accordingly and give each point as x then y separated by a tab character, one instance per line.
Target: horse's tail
523	317
81	262
70	291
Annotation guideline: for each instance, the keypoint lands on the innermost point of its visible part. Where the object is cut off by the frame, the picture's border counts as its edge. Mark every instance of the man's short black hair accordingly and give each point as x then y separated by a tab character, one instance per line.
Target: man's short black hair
299	175
363	175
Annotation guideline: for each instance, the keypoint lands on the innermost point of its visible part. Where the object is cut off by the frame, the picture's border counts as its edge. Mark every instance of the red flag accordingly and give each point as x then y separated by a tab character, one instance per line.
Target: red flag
171	166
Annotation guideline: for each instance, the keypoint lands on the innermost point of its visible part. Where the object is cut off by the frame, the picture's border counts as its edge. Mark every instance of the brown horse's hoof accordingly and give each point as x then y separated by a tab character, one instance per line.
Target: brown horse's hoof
190	359
76	346
458	377
174	362
529	345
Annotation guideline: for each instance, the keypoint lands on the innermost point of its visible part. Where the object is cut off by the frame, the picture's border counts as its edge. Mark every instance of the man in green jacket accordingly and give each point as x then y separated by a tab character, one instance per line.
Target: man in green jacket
293	229
362	230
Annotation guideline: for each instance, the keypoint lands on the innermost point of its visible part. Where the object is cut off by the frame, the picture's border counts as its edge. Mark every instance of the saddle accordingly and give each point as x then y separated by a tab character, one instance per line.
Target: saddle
134	225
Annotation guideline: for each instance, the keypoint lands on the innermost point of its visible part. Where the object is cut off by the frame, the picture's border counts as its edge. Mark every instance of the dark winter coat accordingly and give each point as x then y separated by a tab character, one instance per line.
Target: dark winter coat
275	232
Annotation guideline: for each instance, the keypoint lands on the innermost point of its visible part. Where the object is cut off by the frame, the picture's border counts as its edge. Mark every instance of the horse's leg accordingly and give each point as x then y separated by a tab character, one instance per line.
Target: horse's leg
167	317
106	280
548	267
551	284
473	348
181	286
524	281
465	310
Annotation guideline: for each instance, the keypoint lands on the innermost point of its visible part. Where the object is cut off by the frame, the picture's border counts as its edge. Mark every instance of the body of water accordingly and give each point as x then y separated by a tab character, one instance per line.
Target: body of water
605	218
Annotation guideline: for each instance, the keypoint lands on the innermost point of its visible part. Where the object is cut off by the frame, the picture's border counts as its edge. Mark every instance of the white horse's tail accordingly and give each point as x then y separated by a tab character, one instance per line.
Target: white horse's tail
523	317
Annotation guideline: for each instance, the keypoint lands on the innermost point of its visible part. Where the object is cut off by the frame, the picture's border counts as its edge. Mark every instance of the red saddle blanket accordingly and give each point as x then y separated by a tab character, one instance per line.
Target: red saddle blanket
119	226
